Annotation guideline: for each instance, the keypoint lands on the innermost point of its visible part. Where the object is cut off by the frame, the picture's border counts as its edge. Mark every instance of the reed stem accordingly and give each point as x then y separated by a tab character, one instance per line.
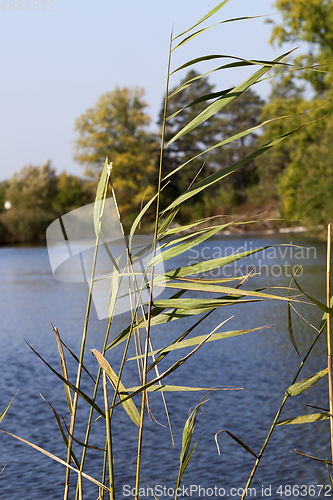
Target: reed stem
329	343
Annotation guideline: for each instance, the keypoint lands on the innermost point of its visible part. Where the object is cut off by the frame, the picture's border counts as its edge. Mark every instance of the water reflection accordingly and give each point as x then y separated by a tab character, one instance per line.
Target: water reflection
263	363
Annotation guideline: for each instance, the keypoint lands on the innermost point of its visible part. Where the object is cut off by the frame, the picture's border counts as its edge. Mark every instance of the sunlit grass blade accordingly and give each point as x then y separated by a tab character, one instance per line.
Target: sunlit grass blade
64	371
207	16
290	327
186	441
3	413
223	101
305	419
238	441
128	406
306	383
61	430
193	35
183	388
297	452
319	304
101	195
57	459
167	221
73	387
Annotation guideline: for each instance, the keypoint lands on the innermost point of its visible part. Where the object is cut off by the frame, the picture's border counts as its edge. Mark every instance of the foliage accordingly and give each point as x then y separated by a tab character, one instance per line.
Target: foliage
177	302
310	22
72	192
117	127
3	189
38	196
32	187
191	144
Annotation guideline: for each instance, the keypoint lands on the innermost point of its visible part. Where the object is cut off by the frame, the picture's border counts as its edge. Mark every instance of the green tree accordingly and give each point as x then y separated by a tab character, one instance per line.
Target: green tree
3	189
72	192
311	22
117	128
33	187
191	144
241	114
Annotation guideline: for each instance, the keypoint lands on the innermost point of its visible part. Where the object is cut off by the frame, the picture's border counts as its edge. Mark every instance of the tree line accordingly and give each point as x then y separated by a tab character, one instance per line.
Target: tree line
292	180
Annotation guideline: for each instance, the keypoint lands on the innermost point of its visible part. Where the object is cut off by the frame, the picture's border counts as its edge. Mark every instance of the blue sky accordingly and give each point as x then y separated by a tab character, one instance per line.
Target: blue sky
56	62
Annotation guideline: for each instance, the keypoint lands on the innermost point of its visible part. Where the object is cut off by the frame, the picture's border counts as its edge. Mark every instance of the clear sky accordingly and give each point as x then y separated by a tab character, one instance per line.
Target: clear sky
56	62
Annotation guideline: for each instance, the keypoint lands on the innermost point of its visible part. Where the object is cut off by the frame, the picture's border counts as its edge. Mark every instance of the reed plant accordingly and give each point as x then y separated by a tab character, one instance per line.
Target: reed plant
168	241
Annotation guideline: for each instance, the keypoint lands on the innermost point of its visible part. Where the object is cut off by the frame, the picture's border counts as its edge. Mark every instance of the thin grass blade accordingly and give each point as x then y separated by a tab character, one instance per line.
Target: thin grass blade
3	413
64	370
61	430
207	16
238	441
73	387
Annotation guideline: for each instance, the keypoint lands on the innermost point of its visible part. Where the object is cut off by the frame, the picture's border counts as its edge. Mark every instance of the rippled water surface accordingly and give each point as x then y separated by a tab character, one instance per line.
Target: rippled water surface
261	364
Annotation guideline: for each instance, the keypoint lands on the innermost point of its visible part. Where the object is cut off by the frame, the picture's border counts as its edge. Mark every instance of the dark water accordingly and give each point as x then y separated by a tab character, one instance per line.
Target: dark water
263	363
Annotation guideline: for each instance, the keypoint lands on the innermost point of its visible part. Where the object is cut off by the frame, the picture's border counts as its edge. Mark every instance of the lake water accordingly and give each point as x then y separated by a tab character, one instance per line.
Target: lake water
262	363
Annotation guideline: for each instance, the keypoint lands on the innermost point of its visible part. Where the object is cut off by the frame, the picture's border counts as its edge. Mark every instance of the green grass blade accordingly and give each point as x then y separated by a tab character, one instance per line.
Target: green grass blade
319	304
128	406
101	194
224	56
207	16
3	413
306	383
64	370
290	327
193	35
238	441
61	430
305	419
223	101
188	431
77	360
312	458
71	386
